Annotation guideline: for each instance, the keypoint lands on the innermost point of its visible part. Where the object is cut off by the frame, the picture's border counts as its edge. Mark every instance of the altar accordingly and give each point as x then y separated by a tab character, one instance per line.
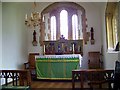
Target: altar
58	67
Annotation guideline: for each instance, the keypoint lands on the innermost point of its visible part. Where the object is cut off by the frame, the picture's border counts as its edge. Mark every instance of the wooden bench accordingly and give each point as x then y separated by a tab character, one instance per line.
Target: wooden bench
15	79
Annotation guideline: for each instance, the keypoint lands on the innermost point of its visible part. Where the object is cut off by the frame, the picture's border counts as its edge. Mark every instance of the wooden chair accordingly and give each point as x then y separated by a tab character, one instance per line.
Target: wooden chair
31	64
94	60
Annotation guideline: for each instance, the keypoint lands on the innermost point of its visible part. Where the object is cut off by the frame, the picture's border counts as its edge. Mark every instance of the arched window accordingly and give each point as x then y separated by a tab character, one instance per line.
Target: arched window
75	27
112	25
53	28
63	18
64	23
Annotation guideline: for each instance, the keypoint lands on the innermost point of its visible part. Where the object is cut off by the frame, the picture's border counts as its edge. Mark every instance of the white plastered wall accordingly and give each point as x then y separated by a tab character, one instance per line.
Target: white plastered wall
14	36
0	39
0	35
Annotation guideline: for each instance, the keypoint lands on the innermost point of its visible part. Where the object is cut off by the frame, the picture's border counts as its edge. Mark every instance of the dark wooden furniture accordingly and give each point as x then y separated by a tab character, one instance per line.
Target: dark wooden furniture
19	79
30	65
116	79
89	75
94	60
63	46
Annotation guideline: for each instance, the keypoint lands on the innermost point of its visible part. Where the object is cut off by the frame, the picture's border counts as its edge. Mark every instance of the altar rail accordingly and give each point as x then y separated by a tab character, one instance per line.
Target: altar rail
19	79
93	76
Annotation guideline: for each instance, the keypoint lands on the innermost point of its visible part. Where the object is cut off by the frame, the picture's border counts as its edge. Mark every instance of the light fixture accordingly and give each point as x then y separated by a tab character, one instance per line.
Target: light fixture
33	21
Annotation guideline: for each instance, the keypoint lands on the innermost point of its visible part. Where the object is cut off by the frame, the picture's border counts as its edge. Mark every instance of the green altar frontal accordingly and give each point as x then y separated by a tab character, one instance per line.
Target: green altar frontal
57	66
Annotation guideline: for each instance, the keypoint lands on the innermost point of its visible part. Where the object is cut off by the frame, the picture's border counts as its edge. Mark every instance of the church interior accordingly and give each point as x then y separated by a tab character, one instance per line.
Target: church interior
60	45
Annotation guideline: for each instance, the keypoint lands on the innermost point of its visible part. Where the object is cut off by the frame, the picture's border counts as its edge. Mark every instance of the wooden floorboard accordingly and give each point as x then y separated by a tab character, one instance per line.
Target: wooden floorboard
56	85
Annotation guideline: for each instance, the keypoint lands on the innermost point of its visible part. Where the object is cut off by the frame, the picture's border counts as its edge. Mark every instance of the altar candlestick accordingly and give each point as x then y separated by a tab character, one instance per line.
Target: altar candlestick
73	48
32	15
44	49
26	17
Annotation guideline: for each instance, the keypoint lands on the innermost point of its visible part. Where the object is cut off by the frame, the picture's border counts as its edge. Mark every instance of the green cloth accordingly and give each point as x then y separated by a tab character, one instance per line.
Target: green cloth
56	68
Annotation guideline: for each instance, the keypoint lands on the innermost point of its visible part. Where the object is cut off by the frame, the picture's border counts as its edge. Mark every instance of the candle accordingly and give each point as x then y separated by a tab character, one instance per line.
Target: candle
39	15
73	48
32	15
26	17
44	49
43	18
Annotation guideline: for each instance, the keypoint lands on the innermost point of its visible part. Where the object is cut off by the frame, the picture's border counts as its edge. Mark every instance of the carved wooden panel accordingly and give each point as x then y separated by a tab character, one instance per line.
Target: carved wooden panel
94	61
63	46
